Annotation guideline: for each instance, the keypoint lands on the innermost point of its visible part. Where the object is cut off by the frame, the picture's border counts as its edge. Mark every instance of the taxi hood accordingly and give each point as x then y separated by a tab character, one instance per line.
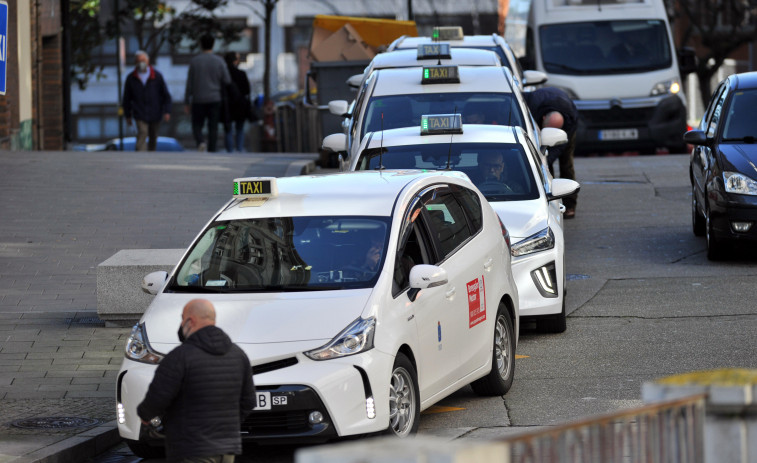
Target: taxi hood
522	218
262	318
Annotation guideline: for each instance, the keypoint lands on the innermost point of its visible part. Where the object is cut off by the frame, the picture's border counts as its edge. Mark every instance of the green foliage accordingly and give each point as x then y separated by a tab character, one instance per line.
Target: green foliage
154	23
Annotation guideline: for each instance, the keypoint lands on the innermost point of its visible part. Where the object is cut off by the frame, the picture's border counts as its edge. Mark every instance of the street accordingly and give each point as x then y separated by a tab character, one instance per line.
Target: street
644	303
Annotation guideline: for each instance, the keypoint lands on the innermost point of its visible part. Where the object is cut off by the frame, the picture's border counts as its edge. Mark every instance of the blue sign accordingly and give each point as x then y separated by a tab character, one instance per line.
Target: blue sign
3	44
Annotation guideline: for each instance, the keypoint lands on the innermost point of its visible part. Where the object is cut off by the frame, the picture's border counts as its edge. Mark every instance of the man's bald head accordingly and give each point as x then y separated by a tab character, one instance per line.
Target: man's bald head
197	314
553	119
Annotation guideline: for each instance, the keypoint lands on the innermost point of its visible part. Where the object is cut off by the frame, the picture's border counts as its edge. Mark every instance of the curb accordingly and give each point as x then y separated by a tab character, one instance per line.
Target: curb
80	447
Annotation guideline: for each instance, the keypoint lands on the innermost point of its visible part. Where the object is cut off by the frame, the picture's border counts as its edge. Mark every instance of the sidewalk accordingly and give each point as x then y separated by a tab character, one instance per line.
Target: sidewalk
61	214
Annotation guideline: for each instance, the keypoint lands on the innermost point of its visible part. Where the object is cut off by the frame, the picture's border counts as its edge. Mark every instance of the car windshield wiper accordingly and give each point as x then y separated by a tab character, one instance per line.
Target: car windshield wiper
197	289
746	139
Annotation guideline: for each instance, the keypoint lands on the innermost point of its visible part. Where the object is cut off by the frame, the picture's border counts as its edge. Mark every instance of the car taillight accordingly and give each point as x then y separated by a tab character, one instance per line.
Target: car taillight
505	233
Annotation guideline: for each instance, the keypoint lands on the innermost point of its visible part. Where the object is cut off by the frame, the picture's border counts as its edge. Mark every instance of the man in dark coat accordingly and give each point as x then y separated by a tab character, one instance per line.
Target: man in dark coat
552	107
202	391
146	100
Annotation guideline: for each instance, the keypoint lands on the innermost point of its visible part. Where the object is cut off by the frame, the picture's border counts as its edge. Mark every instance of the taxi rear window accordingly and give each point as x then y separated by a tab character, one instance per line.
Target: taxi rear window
407	110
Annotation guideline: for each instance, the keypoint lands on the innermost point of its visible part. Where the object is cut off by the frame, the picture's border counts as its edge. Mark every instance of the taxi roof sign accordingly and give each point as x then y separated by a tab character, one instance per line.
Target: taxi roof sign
434	51
447	33
255	187
440	75
439	124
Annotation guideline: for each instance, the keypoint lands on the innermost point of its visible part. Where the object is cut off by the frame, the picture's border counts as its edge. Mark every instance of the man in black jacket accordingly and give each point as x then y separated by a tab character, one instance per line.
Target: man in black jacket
146	100
552	107
202	391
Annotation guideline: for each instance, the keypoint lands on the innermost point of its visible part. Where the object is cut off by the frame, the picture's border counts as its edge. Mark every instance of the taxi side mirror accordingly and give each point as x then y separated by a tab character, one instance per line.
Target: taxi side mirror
336	142
551	136
695	137
532	77
339	107
153	282
424	276
355	81
562	187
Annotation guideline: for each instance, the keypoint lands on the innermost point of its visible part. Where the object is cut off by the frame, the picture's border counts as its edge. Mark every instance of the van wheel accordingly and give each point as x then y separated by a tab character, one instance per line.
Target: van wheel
404	398
500	378
144	450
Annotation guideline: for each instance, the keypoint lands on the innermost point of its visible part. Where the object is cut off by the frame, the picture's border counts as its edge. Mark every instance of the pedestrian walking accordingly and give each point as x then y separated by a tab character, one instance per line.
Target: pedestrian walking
552	107
238	106
207	79
146	100
202	391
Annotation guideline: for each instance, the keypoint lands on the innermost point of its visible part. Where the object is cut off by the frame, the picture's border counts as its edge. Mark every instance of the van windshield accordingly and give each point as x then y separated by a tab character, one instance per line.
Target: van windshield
605	47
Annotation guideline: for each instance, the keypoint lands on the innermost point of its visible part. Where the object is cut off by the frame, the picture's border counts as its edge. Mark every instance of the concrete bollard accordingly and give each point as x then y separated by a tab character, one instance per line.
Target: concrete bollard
120	299
730	425
418	449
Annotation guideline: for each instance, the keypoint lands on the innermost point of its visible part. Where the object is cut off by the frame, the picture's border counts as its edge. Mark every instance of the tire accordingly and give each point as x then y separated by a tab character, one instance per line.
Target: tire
715	247
553	323
500	379
404	399
698	223
145	450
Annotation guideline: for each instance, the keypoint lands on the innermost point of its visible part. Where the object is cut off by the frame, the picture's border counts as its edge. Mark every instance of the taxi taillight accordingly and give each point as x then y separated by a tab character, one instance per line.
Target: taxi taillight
505	233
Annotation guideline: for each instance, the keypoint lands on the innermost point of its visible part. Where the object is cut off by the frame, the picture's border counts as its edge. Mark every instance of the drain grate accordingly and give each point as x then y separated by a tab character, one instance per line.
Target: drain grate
85	321
55	422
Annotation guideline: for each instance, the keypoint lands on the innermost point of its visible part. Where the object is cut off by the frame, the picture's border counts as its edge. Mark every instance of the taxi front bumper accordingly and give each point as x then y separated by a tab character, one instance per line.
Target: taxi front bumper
539	279
343	391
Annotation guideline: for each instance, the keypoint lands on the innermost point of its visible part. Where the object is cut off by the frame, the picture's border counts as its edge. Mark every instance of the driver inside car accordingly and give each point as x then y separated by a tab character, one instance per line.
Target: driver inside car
491	169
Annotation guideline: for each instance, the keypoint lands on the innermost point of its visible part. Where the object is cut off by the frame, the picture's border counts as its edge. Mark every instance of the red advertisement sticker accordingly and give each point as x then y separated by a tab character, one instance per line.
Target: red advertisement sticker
476	304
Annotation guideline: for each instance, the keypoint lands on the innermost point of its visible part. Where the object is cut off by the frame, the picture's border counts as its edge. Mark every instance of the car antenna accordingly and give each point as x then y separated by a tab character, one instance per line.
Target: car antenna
381	146
449	151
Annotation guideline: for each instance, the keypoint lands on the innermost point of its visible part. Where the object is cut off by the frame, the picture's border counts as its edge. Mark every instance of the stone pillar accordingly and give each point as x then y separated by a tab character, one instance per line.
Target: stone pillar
730	427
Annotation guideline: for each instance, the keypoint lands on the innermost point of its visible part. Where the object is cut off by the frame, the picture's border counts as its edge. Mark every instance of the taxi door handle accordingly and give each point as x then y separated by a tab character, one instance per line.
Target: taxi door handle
450	293
488	264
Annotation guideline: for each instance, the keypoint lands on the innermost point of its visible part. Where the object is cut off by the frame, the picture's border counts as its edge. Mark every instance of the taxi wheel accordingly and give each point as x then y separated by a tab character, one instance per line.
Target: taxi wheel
553	323
144	450
500	378
404	403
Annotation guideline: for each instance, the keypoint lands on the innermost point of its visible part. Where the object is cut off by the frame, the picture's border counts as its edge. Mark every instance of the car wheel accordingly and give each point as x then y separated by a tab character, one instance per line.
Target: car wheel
144	450
553	323
698	223
404	399
715	247
500	378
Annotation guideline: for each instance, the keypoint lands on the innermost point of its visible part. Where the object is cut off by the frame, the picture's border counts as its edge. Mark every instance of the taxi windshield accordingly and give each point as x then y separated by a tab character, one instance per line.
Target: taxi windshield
605	47
285	254
501	171
406	110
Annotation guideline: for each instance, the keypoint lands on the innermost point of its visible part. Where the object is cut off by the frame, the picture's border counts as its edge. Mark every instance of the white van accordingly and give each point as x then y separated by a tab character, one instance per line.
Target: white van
616	59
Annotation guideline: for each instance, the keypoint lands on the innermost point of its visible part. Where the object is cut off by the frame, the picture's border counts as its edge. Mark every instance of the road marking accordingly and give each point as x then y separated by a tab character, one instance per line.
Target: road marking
440	409
520	356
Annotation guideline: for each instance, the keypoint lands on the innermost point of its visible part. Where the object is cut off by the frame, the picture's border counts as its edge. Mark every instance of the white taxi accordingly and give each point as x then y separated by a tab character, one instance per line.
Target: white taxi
507	168
454	36
393	98
360	298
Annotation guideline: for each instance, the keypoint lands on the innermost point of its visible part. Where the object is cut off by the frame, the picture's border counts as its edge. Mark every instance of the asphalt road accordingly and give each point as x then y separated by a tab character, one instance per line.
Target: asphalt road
643	303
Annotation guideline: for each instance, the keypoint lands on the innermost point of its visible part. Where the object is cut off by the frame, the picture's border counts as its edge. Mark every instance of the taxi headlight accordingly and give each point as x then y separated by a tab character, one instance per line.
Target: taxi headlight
356	338
665	87
138	347
739	184
537	242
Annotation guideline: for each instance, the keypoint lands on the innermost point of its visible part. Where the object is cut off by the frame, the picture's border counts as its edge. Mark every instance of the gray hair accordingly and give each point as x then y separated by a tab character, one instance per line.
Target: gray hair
142	53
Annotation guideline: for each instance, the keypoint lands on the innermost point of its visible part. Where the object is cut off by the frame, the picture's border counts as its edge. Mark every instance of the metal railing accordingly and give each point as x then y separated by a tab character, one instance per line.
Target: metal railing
298	127
664	432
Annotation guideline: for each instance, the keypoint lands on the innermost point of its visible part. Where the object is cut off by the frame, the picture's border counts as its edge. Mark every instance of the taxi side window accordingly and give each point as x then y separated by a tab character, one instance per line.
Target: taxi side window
448	223
412	250
359	107
471	206
534	153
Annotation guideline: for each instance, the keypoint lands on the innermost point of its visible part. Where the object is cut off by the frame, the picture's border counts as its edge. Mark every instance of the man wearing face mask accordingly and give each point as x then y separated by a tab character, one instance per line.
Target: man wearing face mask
146	100
202	391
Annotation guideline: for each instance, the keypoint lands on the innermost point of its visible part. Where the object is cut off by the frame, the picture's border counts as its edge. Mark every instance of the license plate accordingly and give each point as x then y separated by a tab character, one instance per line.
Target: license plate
265	400
619	134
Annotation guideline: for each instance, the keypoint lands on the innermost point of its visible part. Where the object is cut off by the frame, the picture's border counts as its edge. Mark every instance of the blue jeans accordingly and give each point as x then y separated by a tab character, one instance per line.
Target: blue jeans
200	113
234	136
